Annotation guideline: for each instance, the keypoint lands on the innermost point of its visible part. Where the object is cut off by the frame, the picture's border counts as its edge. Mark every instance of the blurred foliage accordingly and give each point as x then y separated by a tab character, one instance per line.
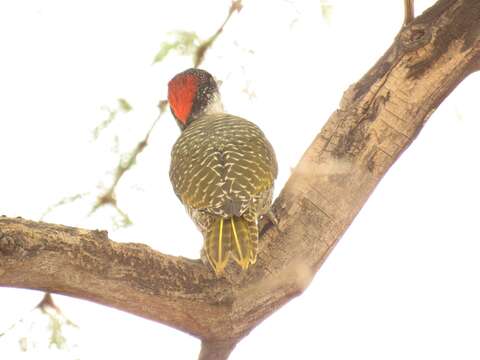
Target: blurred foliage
64	201
123	106
188	42
199	55
183	42
43	330
326	8
126	162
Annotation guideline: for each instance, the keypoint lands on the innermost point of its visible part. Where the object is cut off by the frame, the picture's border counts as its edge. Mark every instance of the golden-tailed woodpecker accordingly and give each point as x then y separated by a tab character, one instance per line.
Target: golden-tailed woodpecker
222	169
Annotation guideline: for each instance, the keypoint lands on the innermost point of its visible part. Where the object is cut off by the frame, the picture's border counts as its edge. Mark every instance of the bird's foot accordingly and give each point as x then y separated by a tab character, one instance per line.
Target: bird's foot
271	216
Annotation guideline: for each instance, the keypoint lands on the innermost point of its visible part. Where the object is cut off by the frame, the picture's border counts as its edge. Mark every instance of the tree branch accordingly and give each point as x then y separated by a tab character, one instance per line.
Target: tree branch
217	350
409	11
378	118
236	6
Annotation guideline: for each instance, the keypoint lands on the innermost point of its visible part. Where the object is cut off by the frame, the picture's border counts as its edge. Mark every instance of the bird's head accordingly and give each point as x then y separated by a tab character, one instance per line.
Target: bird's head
193	93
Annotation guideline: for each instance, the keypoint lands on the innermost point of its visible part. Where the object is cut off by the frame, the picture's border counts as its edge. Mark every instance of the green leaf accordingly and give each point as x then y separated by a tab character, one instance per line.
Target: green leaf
183	42
163	52
124	105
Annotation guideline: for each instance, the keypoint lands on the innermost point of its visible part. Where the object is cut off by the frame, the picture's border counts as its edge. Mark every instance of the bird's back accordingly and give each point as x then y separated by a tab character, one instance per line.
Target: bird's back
221	164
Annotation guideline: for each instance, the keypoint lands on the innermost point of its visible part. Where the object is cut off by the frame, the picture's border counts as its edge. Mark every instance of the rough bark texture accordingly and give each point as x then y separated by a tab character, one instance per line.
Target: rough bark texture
378	118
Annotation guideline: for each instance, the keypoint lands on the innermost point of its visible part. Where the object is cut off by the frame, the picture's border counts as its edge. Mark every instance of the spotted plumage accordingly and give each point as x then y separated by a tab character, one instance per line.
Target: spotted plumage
222	169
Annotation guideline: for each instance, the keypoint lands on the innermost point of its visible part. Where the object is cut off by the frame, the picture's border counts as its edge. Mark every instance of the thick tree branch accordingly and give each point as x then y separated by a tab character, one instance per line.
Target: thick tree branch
377	120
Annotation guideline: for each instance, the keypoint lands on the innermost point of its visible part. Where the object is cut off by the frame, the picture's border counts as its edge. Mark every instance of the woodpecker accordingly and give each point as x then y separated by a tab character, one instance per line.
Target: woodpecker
222	170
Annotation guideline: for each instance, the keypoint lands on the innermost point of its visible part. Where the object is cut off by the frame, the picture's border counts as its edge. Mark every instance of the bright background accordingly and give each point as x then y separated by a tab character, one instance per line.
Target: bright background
403	281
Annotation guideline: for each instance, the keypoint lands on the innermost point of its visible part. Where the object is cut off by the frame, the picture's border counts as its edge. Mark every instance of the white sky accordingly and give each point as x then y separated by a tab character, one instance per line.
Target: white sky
403	281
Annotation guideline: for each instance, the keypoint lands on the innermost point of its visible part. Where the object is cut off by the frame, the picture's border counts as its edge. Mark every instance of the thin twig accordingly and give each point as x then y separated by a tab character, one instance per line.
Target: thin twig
409	12
199	55
61	202
108	196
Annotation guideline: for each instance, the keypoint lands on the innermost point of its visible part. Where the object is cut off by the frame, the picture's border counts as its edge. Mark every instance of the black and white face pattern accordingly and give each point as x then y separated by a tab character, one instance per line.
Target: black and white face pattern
206	92
207	100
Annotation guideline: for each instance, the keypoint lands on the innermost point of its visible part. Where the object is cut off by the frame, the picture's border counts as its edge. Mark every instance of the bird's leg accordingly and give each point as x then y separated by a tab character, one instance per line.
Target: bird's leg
266	221
409	12
271	216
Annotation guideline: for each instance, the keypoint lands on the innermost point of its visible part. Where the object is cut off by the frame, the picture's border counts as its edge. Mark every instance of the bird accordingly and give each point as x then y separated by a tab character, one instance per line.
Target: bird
222	169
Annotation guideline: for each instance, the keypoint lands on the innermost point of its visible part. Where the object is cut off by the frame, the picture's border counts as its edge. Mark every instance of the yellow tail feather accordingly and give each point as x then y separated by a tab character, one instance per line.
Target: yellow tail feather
234	237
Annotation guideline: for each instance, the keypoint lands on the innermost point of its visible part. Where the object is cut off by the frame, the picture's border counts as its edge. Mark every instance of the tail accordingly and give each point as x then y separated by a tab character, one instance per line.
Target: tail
234	237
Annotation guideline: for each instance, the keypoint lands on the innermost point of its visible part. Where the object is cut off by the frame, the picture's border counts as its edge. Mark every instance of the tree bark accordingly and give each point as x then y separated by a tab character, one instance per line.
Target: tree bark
378	118
218	350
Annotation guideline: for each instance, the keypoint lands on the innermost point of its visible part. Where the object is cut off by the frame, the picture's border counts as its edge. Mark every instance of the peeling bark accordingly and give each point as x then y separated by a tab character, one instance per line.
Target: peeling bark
377	120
